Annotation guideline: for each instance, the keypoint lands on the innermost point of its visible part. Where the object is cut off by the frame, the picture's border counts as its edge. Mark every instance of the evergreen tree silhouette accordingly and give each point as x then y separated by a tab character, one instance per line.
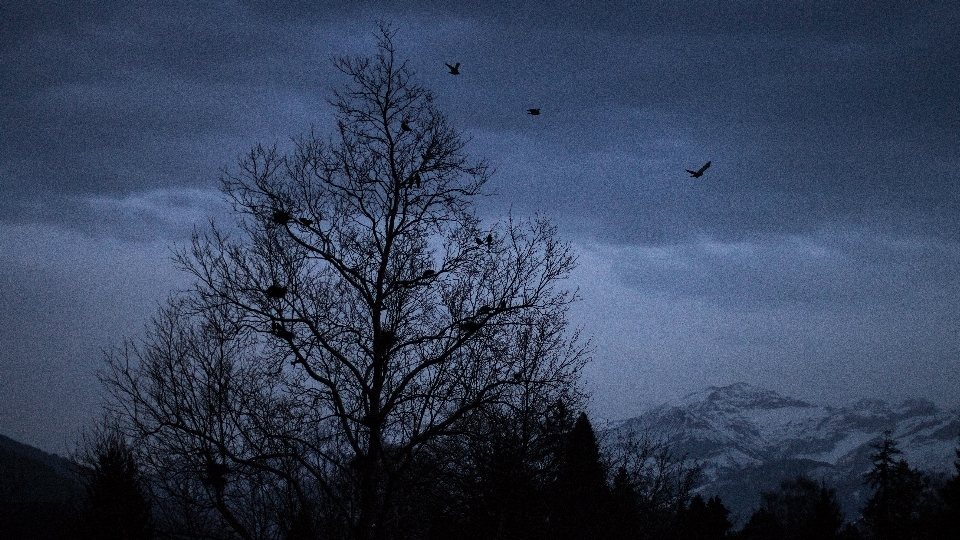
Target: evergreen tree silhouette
624	509
946	526
505	499
703	520
580	494
504	485
801	509
895	510
116	506
763	525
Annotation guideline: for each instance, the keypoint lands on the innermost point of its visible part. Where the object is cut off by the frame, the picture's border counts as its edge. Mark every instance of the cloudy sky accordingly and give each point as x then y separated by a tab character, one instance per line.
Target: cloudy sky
819	256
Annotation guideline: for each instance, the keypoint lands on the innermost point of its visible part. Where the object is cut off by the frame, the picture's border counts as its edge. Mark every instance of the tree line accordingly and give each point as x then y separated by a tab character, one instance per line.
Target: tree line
623	489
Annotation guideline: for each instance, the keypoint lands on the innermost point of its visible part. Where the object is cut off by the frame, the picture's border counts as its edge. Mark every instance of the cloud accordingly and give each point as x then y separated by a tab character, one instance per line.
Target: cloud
830	268
827	316
818	252
158	214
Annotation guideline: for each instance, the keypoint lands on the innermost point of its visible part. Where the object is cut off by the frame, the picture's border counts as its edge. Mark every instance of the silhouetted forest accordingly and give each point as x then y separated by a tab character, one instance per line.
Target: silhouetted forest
568	487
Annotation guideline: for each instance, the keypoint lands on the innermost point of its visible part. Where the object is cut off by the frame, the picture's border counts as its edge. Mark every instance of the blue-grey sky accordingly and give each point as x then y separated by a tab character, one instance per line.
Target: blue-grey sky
819	256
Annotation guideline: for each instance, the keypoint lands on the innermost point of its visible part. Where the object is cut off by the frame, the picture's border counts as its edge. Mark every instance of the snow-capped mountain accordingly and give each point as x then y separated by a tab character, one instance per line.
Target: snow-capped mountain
750	439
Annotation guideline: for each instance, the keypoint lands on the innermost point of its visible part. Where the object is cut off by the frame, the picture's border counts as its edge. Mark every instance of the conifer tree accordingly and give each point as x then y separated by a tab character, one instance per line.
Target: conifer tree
801	509
703	520
504	480
947	524
116	505
763	525
894	510
624	514
580	495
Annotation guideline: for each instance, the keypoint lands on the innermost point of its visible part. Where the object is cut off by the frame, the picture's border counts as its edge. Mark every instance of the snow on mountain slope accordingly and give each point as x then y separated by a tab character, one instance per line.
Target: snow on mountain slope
749	439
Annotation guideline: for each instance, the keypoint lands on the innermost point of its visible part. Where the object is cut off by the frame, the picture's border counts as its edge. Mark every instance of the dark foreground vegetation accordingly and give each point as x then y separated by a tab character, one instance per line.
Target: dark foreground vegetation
362	357
576	489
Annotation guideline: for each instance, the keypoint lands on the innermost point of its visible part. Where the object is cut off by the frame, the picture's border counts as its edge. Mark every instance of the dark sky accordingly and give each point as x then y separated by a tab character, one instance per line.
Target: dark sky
819	256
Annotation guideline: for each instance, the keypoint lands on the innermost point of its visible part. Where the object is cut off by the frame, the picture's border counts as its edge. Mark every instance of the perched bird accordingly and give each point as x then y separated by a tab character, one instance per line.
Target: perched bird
216	474
281	332
699	173
414	180
305	221
470	325
489	239
503	304
404	126
276	291
478	241
483	310
428	273
534	112
454	69
281	217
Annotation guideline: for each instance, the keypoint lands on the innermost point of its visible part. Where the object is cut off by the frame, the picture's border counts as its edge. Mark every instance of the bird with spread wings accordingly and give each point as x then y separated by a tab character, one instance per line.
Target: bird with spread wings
698	173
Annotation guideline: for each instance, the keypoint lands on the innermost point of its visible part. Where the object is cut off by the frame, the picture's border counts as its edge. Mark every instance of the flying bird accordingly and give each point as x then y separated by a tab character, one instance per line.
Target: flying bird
699	173
454	69
534	112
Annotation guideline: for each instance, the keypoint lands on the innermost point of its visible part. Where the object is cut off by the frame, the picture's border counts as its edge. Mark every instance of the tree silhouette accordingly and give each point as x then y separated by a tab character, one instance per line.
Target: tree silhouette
624	506
653	481
947	523
801	509
504	483
580	497
703	520
895	510
350	326
116	506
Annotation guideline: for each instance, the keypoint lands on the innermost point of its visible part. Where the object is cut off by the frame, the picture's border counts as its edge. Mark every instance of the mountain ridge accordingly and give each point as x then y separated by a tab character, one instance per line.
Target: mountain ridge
749	439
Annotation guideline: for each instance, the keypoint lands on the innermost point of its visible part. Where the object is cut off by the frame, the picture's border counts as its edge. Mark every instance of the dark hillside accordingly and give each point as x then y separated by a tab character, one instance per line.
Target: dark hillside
38	493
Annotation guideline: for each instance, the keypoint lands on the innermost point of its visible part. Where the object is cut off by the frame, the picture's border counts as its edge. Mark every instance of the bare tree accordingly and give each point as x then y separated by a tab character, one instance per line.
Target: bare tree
359	313
656	481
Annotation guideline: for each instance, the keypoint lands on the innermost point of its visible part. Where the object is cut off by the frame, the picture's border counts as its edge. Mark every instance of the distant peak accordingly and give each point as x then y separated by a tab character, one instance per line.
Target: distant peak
741	395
